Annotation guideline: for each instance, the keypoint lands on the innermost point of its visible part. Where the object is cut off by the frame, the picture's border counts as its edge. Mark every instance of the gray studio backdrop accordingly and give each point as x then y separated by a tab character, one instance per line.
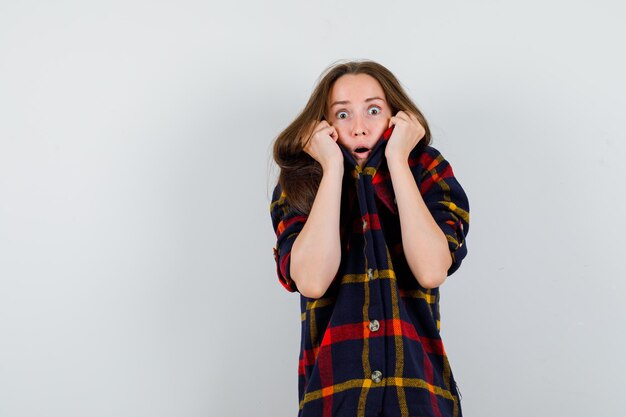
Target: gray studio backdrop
136	268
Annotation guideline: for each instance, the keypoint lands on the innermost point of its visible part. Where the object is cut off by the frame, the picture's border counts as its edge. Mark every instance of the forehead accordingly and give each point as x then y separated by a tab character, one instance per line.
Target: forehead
355	88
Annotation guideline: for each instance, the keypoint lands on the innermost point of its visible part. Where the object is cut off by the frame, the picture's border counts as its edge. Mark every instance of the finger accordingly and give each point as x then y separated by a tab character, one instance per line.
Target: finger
418	123
328	130
322	124
414	120
395	120
403	116
334	134
315	127
324	129
412	116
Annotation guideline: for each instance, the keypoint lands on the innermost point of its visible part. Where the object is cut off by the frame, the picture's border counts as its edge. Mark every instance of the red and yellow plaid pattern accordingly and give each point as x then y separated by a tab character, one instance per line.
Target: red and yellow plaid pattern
371	345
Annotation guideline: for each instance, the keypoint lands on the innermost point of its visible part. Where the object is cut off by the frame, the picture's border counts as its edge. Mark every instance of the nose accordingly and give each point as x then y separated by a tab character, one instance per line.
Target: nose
358	127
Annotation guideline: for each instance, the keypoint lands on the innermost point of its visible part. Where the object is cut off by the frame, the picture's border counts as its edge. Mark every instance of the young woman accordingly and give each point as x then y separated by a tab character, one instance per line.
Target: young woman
370	221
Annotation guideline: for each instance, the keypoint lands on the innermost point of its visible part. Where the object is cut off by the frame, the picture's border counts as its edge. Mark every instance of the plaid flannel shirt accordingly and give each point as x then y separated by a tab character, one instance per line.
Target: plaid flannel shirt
371	345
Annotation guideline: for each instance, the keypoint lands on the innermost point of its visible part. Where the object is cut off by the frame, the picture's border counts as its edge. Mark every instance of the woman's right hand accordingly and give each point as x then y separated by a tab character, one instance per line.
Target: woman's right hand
322	145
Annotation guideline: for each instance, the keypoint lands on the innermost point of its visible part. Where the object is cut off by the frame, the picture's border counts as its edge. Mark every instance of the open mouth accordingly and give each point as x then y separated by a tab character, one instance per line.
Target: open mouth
361	151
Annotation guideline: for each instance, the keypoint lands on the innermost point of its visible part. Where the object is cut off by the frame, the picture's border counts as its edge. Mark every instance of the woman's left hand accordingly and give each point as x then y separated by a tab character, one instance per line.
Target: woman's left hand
406	135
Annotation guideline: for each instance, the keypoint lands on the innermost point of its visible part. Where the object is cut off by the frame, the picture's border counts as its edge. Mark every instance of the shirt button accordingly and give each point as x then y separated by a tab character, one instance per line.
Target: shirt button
370	273
364	224
377	376
374	325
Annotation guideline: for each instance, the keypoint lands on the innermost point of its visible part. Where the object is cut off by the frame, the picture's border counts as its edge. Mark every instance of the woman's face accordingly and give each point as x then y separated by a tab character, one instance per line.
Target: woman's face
358	110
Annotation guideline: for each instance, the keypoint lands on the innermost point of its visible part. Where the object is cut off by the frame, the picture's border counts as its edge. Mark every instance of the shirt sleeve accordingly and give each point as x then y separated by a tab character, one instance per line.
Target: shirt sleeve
287	224
446	200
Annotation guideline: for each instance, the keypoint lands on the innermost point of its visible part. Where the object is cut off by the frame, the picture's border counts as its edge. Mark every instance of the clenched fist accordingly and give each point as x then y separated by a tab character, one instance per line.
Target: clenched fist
407	133
322	145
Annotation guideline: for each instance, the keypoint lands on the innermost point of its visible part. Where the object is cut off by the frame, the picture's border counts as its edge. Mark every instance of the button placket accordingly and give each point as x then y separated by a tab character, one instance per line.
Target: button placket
374	325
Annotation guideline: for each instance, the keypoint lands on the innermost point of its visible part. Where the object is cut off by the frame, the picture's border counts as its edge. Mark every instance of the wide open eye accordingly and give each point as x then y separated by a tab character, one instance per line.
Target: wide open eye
342	115
374	110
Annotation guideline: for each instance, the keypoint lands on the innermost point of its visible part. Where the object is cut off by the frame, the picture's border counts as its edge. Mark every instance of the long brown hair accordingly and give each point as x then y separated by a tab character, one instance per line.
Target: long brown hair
300	174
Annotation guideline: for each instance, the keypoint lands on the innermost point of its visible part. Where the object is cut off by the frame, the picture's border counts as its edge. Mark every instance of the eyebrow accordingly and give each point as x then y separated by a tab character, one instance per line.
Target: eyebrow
347	102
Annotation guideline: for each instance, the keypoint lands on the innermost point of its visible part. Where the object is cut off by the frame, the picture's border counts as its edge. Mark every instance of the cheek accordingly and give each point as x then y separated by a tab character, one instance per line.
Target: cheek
380	124
343	134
